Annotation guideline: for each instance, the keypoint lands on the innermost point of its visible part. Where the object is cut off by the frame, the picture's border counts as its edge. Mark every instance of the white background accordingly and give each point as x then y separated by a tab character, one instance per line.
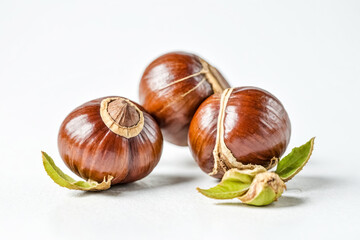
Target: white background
56	55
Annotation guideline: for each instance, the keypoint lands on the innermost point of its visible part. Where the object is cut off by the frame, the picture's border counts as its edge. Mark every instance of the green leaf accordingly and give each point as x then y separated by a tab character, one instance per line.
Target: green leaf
66	181
263	198
291	164
234	183
265	188
226	190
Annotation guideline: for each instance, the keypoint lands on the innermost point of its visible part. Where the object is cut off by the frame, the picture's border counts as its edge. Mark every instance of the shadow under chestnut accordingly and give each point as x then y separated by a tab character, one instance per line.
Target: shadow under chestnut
148	183
283	202
313	183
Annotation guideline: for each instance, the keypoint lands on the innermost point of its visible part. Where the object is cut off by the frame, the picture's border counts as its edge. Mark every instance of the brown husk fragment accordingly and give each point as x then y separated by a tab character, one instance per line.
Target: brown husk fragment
223	157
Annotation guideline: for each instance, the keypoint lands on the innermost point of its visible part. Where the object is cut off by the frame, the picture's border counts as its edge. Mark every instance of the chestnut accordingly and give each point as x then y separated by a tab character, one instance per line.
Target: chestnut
240	128
172	88
110	137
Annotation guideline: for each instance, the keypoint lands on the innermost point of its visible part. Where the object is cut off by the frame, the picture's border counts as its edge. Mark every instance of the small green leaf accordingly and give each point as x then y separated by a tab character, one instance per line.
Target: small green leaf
265	197
66	181
226	190
265	188
291	164
234	183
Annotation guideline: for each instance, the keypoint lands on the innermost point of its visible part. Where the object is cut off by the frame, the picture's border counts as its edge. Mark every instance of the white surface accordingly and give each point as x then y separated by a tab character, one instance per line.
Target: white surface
56	55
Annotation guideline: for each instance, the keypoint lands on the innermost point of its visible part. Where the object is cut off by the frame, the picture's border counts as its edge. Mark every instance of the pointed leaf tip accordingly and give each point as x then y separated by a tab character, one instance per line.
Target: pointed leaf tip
64	180
234	183
293	163
227	190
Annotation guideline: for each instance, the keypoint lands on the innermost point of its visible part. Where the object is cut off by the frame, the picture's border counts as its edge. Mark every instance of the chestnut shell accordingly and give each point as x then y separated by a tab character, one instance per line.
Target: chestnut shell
92	151
173	103
256	128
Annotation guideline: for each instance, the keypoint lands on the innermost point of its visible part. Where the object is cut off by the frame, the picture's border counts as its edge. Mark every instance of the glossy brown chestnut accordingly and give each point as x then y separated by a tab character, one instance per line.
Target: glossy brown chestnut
110	136
172	88
239	128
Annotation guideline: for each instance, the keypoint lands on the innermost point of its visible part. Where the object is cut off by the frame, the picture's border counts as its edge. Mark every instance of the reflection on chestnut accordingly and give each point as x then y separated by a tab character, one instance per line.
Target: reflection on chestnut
110	136
239	128
172	88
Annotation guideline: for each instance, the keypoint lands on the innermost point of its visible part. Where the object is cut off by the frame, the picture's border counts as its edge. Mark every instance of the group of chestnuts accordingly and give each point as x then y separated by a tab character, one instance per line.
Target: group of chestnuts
187	101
